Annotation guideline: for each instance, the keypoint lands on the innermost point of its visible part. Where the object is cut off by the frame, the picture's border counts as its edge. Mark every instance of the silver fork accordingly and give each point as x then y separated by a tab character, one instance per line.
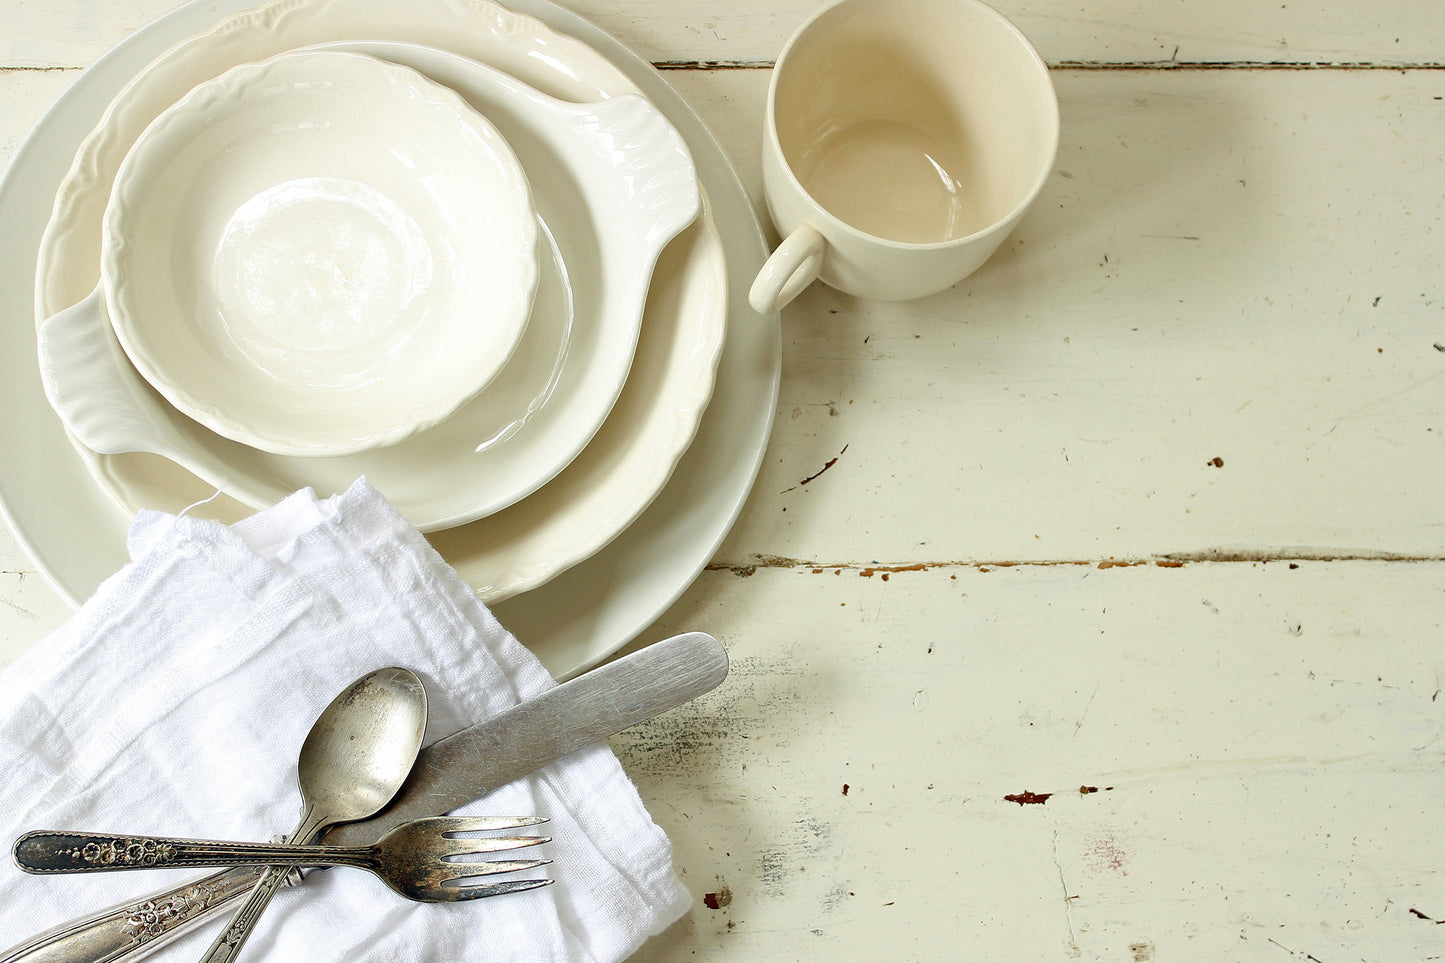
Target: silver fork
422	860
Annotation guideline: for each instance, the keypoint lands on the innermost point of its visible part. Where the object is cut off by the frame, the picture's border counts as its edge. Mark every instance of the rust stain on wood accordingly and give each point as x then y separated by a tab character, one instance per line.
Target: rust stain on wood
1028	798
886	569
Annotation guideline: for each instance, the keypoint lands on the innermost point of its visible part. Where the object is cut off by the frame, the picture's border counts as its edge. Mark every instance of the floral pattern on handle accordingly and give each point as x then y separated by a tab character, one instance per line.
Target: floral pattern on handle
157	916
123	851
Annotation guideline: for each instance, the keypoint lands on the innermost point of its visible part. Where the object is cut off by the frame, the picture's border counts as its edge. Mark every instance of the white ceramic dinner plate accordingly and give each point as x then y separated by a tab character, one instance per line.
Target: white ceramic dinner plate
582	615
320	253
617	163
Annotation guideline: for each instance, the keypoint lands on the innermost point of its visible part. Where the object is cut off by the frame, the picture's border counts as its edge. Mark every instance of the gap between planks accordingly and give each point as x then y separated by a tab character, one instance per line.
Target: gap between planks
1291	557
1055	65
1119	65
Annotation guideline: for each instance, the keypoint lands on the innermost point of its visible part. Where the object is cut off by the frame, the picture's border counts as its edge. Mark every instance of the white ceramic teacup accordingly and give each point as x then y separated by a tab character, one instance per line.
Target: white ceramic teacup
904	140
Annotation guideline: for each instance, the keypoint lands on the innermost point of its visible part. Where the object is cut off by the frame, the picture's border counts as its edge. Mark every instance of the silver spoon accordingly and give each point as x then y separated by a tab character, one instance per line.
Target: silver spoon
358	753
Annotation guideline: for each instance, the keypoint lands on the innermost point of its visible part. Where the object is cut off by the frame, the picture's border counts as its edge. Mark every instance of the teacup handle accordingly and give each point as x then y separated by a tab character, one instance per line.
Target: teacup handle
794	265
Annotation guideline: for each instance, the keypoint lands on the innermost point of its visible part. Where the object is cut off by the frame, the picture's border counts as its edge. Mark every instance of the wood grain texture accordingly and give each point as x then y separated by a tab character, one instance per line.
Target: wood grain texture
1036	763
71	33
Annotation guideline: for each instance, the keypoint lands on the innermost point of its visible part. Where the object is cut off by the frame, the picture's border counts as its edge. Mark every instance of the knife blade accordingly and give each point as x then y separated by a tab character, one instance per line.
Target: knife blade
458	769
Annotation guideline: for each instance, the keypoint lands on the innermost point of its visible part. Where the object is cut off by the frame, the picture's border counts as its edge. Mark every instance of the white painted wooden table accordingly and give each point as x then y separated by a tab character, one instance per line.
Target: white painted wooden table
1114	630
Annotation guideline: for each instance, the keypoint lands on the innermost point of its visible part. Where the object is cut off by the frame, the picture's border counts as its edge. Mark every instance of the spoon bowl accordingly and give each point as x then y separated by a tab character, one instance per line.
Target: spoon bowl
363	746
359	752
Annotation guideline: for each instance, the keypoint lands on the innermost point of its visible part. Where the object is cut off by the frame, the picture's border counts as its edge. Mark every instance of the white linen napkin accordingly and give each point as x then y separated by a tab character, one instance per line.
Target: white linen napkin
176	700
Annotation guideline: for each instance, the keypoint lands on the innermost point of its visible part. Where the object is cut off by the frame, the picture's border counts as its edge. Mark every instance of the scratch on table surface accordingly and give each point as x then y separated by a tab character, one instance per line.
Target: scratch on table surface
1064	885
1088	705
1369	407
17	607
1293	952
826	465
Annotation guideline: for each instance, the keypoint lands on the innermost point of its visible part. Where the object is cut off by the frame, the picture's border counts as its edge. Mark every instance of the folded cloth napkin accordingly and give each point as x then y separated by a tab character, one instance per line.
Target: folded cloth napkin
176	700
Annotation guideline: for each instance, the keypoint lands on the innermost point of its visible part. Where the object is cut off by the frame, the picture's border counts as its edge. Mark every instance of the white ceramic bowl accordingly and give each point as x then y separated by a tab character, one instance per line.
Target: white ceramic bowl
320	253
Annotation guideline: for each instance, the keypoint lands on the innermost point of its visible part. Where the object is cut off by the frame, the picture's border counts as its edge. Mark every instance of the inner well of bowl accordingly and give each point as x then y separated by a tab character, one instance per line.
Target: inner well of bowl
309	258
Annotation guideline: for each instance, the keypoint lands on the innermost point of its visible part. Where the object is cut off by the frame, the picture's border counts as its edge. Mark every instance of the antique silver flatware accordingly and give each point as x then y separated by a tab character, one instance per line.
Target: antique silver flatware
353	761
424	859
458	769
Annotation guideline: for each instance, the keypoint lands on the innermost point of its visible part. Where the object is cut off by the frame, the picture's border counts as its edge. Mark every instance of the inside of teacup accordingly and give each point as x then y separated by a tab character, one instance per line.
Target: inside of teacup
919	121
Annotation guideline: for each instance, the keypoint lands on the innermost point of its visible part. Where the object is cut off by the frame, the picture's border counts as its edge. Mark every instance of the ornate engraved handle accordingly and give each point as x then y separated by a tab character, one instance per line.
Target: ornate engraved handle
48	851
136	929
234	936
228	944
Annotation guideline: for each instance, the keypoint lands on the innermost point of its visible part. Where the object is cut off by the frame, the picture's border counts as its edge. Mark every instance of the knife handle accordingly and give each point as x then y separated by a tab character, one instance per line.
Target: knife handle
136	929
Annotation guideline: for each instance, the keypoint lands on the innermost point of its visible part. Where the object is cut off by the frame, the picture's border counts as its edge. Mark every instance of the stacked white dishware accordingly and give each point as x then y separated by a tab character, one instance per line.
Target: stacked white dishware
575	423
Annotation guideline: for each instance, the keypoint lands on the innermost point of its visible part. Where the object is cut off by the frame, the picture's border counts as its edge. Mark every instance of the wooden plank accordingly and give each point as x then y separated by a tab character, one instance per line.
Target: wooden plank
1217	332
24	96
68	33
73	33
1240	761
29	608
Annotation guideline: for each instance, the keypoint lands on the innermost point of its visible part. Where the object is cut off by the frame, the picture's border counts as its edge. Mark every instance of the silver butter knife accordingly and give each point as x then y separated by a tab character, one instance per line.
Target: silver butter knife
450	772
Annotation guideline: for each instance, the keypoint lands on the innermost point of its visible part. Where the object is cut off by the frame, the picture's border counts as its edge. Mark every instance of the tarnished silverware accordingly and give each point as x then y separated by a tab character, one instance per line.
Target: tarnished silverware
422	860
460	768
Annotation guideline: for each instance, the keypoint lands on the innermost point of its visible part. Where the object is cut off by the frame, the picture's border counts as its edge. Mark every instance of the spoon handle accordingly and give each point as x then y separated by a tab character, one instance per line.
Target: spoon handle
47	852
228	944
